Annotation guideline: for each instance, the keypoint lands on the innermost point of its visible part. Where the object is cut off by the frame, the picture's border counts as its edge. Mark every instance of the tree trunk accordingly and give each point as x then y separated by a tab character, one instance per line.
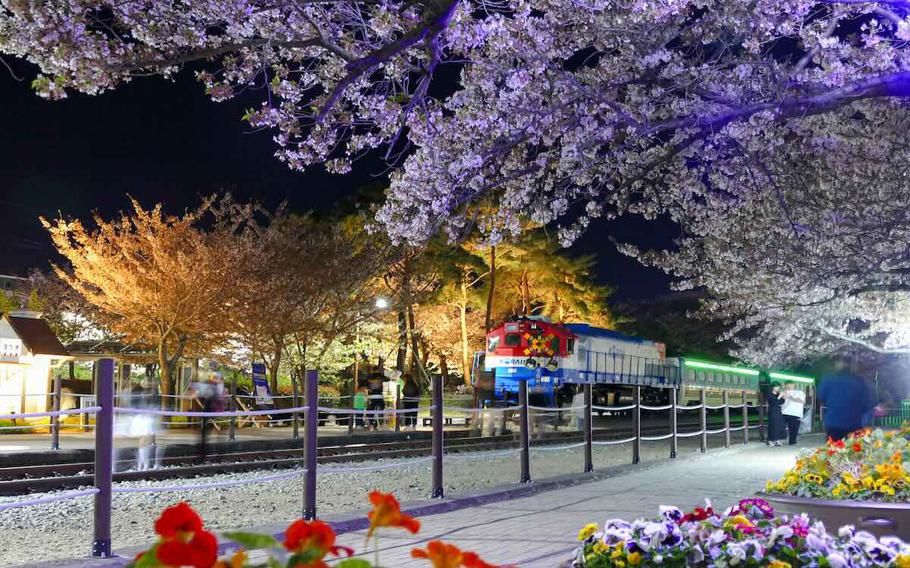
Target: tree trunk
273	366
402	358
416	368
443	367
465	348
166	374
488	318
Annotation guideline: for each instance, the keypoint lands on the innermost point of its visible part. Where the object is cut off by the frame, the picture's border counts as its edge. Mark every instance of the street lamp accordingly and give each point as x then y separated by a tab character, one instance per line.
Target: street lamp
381	303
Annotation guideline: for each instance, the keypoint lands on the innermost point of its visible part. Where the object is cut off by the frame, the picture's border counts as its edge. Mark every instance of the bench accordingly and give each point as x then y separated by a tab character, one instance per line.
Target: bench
447	420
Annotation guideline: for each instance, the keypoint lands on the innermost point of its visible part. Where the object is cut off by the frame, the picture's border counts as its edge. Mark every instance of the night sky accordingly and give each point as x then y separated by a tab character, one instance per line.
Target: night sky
165	141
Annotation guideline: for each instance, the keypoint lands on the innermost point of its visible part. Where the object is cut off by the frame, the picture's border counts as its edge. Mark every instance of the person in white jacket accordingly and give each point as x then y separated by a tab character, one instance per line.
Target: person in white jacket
792	409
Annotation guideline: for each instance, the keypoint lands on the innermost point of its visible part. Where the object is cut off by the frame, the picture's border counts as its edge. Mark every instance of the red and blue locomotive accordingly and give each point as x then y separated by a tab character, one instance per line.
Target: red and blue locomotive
550	355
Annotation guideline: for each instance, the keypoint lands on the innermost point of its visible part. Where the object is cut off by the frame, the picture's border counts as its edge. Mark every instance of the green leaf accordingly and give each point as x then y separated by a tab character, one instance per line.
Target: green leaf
147	560
252	541
354	563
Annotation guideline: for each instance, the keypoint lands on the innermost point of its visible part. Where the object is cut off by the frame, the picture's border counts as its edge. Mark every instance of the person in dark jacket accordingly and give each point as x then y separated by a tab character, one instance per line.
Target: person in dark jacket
410	401
845	397
776	425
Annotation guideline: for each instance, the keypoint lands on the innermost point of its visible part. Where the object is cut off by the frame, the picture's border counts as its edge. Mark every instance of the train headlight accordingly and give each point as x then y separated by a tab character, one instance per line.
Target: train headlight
531	363
552	365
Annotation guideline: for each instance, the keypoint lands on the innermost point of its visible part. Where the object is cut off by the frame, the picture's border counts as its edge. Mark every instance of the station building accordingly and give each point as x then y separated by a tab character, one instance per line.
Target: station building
29	351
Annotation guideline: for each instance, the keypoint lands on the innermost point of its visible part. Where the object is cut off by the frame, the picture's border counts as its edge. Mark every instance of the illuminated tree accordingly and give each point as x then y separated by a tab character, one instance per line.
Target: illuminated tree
154	278
534	277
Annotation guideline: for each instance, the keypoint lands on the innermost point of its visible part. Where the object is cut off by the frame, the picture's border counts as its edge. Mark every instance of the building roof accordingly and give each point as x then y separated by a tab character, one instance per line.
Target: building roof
36	335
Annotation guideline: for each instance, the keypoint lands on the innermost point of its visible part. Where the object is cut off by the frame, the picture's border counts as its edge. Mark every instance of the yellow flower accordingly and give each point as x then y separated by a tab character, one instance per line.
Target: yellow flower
616	554
599	547
619	564
634	559
814	478
869	482
779	564
588	530
902	561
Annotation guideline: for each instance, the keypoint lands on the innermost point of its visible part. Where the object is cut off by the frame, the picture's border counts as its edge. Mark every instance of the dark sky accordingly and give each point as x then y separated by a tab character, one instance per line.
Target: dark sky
165	141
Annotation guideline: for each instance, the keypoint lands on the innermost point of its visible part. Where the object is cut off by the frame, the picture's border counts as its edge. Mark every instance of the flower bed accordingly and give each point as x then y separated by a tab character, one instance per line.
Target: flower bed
748	534
868	466
183	541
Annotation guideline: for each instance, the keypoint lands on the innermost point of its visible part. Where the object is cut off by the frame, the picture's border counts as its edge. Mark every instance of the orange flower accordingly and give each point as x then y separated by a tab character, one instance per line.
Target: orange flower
387	513
314	538
200	551
183	540
177	519
857	447
443	555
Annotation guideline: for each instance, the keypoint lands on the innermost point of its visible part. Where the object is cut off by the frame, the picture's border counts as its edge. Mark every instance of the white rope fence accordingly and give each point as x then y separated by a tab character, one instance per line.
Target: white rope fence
656	408
613	408
48	499
558	448
656	438
89	410
612	442
238	413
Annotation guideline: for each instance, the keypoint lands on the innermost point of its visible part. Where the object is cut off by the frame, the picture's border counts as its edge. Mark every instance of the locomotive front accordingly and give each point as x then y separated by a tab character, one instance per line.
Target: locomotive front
526	349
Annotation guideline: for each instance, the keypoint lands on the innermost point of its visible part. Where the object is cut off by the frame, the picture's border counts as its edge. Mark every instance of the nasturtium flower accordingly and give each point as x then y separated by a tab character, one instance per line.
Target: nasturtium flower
387	513
183	541
315	539
444	555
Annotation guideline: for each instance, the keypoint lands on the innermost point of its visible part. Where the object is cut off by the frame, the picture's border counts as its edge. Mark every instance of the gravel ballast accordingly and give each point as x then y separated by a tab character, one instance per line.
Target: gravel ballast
61	530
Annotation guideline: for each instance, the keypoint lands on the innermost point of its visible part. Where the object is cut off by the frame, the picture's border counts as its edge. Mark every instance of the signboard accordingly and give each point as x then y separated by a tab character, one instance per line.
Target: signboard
261	385
10	350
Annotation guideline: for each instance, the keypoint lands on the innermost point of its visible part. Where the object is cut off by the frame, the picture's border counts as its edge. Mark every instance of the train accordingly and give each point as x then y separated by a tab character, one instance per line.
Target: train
556	357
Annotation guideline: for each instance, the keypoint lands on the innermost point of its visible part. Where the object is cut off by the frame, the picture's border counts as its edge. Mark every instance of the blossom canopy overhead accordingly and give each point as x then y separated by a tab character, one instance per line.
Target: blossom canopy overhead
770	131
564	111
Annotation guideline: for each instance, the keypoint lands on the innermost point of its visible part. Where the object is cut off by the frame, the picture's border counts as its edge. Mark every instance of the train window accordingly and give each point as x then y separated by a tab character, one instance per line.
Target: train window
513	340
492	343
570	347
554	345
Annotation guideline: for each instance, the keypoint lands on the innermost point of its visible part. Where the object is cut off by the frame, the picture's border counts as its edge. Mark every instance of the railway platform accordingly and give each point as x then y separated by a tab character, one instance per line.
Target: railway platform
534	525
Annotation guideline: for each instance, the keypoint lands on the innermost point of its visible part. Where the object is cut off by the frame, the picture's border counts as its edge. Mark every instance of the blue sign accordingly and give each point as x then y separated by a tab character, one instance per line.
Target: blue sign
261	385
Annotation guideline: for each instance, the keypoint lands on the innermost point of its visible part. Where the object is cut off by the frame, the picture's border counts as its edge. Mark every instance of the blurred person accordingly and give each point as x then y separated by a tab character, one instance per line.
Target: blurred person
410	401
794	403
846	397
211	397
144	426
360	405
776	424
375	400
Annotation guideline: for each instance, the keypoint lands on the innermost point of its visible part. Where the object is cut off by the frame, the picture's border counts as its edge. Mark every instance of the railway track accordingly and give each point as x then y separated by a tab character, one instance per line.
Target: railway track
24	479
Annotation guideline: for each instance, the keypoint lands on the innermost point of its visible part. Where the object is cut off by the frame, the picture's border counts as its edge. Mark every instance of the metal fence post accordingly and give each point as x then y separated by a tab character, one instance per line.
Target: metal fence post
438	422
674	440
295	423
232	406
761	416
636	425
351	416
524	434
55	420
745	420
397	407
104	458
310	442
726	419
589	429
703	421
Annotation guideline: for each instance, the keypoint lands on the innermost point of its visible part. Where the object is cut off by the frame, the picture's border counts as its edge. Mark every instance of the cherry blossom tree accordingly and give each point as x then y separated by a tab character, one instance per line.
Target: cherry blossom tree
563	110
811	253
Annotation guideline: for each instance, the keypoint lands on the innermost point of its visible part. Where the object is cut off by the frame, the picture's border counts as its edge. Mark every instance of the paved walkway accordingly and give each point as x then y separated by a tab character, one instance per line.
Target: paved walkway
538	528
539	531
